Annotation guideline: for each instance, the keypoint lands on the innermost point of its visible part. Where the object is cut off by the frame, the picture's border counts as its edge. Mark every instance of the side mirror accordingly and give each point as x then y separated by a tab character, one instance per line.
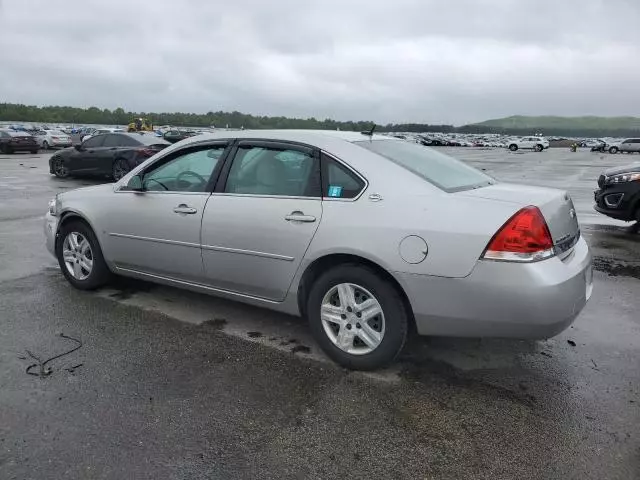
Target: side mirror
78	147
135	184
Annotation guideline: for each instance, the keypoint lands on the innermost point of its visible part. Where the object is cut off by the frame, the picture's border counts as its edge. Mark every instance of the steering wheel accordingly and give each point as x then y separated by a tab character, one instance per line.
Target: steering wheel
189	173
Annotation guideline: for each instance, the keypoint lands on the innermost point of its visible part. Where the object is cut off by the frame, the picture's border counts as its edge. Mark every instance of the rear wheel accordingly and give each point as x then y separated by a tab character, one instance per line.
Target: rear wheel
613	150
120	168
513	147
357	317
80	257
6	149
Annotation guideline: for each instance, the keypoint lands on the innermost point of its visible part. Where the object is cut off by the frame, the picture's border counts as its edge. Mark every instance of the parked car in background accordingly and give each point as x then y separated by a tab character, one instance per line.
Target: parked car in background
98	131
618	194
365	235
107	154
630	145
17	141
173	136
528	143
52	139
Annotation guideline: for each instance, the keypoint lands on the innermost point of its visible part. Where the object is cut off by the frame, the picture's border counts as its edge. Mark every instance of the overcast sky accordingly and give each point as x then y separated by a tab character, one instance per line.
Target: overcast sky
453	61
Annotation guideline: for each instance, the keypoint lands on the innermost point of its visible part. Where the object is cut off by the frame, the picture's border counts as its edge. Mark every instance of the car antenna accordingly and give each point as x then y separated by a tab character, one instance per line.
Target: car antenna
370	132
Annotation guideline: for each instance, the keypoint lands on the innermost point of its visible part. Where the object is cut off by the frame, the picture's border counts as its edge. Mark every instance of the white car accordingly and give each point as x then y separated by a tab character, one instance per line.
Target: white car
528	143
101	130
52	139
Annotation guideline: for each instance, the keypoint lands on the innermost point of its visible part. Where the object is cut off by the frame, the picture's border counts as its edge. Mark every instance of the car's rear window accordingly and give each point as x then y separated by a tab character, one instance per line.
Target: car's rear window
443	171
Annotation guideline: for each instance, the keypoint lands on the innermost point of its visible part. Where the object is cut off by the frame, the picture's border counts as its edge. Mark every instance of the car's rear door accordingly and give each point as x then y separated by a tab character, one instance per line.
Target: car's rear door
262	217
157	231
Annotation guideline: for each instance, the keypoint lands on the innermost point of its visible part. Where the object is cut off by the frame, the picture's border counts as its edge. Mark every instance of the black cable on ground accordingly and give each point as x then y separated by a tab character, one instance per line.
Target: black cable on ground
44	370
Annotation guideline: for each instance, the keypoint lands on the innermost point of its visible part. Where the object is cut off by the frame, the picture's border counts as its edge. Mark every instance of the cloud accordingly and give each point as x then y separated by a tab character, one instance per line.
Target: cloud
408	60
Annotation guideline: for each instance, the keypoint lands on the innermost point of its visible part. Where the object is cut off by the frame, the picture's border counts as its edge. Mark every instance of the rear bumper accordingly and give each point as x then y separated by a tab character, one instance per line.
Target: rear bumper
24	147
502	299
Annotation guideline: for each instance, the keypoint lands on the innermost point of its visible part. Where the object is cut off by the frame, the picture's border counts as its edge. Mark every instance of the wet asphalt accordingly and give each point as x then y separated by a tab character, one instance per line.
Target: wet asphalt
175	385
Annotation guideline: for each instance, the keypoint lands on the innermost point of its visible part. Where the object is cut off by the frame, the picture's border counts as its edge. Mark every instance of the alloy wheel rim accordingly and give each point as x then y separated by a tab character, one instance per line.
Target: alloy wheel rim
352	318
60	168
119	170
77	255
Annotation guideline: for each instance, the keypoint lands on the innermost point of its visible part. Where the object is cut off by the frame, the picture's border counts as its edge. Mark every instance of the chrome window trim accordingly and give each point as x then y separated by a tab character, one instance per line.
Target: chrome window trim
352	170
158	192
256	195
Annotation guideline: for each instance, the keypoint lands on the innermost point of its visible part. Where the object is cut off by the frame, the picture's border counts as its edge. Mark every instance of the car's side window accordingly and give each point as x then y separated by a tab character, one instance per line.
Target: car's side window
338	181
112	141
94	142
187	171
266	170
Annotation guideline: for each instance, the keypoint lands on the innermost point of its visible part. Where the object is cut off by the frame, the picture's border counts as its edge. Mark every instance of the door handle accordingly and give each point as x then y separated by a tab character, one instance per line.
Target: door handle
298	216
186	209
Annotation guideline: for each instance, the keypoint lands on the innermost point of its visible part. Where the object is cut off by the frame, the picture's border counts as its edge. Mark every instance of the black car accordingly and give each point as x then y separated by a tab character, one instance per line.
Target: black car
174	136
618	194
109	154
12	141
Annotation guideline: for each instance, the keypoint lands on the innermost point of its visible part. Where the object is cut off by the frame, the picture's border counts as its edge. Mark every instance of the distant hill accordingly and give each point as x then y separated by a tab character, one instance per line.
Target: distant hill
565	124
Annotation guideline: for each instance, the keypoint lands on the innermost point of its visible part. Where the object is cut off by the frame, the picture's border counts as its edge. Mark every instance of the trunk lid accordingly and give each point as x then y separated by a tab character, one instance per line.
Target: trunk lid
555	205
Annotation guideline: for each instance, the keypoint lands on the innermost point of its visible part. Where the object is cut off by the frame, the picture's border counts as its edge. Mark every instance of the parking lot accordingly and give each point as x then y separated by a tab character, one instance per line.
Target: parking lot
170	384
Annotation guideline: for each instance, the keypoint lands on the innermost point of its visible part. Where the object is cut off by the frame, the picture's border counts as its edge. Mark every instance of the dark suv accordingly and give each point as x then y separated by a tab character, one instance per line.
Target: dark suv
618	194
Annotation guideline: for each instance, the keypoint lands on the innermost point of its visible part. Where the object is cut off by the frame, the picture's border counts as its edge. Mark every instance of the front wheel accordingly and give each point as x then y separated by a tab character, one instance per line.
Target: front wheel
513	147
45	145
59	168
357	317
613	150
120	169
539	148
80	257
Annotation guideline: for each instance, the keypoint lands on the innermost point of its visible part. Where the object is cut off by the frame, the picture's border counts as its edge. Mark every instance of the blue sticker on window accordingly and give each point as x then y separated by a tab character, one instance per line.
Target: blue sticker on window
335	191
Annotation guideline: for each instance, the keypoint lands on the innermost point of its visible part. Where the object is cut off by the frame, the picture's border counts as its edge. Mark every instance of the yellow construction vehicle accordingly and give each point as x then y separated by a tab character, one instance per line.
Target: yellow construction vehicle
140	125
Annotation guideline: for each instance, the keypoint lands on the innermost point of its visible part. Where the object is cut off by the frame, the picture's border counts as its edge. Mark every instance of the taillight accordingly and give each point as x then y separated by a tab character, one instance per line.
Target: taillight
54	138
524	238
146	152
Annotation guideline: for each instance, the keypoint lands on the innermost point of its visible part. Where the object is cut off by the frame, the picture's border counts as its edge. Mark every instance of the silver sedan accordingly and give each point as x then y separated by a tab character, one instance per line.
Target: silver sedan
365	235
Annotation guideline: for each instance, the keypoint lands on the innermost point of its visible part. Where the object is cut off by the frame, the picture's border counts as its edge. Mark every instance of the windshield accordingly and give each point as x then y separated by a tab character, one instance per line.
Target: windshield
443	171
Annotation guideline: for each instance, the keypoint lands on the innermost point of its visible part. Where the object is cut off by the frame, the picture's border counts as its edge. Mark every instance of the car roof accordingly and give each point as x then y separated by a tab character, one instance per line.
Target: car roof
312	137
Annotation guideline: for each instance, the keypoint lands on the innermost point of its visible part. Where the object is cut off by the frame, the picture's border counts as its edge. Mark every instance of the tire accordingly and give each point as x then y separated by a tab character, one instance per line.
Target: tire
539	148
59	168
75	262
613	150
4	148
387	330
120	169
45	145
513	147
34	152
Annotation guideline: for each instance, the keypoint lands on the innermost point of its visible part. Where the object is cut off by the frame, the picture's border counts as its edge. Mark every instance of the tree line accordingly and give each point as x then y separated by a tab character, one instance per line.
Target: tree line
72	115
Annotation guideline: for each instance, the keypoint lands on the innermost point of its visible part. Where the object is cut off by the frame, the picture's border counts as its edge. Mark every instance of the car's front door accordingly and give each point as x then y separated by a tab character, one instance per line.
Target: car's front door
261	219
157	230
85	158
